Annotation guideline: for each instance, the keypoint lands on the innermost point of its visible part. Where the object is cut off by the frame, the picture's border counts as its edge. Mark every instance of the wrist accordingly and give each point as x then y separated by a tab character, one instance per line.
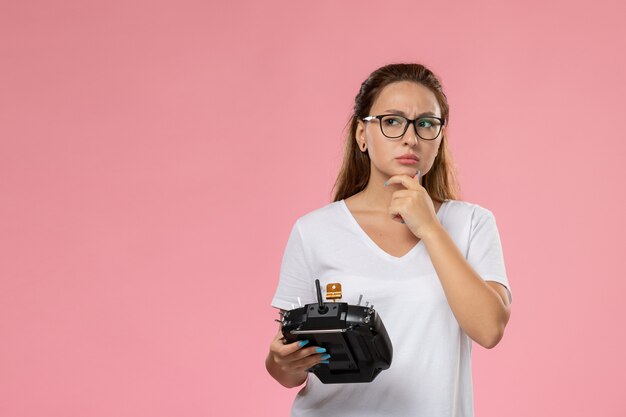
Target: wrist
432	233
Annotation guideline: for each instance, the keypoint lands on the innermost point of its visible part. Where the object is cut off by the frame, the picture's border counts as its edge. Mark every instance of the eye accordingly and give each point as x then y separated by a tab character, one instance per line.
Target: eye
428	123
392	121
425	123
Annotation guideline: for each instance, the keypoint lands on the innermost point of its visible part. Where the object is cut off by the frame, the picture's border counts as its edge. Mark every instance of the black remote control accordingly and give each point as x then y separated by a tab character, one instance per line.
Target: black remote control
353	335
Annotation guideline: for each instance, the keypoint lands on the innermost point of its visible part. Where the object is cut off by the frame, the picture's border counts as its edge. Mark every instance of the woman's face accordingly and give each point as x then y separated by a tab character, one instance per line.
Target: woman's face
410	100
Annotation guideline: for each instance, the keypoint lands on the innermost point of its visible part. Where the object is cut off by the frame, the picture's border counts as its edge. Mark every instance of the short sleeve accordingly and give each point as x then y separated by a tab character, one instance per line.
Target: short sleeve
295	274
484	252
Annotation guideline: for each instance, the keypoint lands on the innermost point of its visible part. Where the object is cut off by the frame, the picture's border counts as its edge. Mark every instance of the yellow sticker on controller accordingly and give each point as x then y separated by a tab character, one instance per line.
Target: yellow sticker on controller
333	291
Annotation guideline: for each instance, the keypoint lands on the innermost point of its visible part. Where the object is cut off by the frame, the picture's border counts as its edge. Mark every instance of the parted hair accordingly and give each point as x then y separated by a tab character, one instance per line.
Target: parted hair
440	182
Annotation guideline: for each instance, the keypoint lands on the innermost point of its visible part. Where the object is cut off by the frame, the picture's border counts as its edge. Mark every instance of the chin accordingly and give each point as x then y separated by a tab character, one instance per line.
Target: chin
411	170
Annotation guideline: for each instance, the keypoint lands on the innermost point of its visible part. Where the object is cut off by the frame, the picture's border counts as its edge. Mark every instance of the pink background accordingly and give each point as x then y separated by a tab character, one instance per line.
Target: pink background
155	154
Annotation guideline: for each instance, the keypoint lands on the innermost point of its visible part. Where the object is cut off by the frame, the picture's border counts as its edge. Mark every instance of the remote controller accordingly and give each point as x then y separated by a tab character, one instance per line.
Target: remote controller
353	335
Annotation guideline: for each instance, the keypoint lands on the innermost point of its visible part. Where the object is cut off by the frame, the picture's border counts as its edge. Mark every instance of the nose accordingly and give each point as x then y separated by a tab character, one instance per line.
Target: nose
410	133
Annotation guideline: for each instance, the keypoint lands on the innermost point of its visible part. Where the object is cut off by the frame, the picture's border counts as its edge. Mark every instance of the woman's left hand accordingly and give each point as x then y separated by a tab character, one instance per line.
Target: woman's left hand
412	206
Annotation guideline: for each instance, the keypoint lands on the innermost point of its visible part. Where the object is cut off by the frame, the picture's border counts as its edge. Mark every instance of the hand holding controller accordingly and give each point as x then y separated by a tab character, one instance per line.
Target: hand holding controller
296	357
353	335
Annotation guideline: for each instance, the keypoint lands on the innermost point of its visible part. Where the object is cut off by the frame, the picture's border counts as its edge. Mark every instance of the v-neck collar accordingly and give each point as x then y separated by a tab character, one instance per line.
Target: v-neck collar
368	240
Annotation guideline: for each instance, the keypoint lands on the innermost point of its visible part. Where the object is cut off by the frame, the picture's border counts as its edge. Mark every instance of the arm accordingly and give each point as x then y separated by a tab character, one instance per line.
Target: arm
481	308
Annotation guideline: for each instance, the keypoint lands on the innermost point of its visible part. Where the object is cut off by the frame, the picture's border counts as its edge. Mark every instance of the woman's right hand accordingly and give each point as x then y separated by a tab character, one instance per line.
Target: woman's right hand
296	357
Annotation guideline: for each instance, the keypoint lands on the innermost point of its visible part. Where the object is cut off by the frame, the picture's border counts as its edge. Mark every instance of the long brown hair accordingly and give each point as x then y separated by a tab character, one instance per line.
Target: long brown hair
440	181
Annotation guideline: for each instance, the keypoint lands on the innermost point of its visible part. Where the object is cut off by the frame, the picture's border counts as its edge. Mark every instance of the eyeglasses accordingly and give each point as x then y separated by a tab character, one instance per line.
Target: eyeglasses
395	126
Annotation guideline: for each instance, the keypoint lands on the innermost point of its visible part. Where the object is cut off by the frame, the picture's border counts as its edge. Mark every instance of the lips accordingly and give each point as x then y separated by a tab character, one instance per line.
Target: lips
408	156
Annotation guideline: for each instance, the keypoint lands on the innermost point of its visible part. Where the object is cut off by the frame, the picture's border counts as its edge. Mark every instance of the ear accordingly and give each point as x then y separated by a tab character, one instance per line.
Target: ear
359	134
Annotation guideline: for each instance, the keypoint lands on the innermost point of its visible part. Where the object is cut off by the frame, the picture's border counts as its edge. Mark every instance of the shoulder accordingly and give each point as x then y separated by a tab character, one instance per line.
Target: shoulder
460	210
320	217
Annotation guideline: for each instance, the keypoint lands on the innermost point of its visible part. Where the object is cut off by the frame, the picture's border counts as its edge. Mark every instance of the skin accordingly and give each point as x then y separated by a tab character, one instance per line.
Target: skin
398	212
375	205
408	99
288	363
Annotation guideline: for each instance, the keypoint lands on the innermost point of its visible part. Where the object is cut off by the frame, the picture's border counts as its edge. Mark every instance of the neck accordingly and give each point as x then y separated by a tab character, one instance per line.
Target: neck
376	196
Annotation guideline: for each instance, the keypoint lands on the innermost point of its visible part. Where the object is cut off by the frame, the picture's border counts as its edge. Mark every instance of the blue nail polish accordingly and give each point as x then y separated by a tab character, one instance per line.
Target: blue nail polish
386	182
324	361
303	342
320	350
326	356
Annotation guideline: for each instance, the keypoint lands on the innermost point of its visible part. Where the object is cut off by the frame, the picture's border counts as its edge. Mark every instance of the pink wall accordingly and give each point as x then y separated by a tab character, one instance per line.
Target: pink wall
155	154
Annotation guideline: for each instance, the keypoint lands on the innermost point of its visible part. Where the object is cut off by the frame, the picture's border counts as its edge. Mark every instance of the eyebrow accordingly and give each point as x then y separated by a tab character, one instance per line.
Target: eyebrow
400	112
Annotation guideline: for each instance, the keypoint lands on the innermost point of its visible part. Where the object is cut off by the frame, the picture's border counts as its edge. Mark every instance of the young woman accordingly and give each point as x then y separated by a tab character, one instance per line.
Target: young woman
431	264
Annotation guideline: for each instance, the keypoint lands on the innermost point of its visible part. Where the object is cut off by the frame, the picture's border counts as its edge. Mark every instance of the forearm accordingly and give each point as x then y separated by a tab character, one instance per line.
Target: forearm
478	308
286	379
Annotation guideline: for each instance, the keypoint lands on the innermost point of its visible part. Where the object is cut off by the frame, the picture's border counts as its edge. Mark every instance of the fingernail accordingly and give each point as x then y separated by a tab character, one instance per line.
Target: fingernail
326	356
303	342
324	362
386	182
320	350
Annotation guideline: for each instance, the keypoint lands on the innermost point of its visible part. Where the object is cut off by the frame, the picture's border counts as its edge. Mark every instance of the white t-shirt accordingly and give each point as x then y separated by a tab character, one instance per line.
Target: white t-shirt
430	374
